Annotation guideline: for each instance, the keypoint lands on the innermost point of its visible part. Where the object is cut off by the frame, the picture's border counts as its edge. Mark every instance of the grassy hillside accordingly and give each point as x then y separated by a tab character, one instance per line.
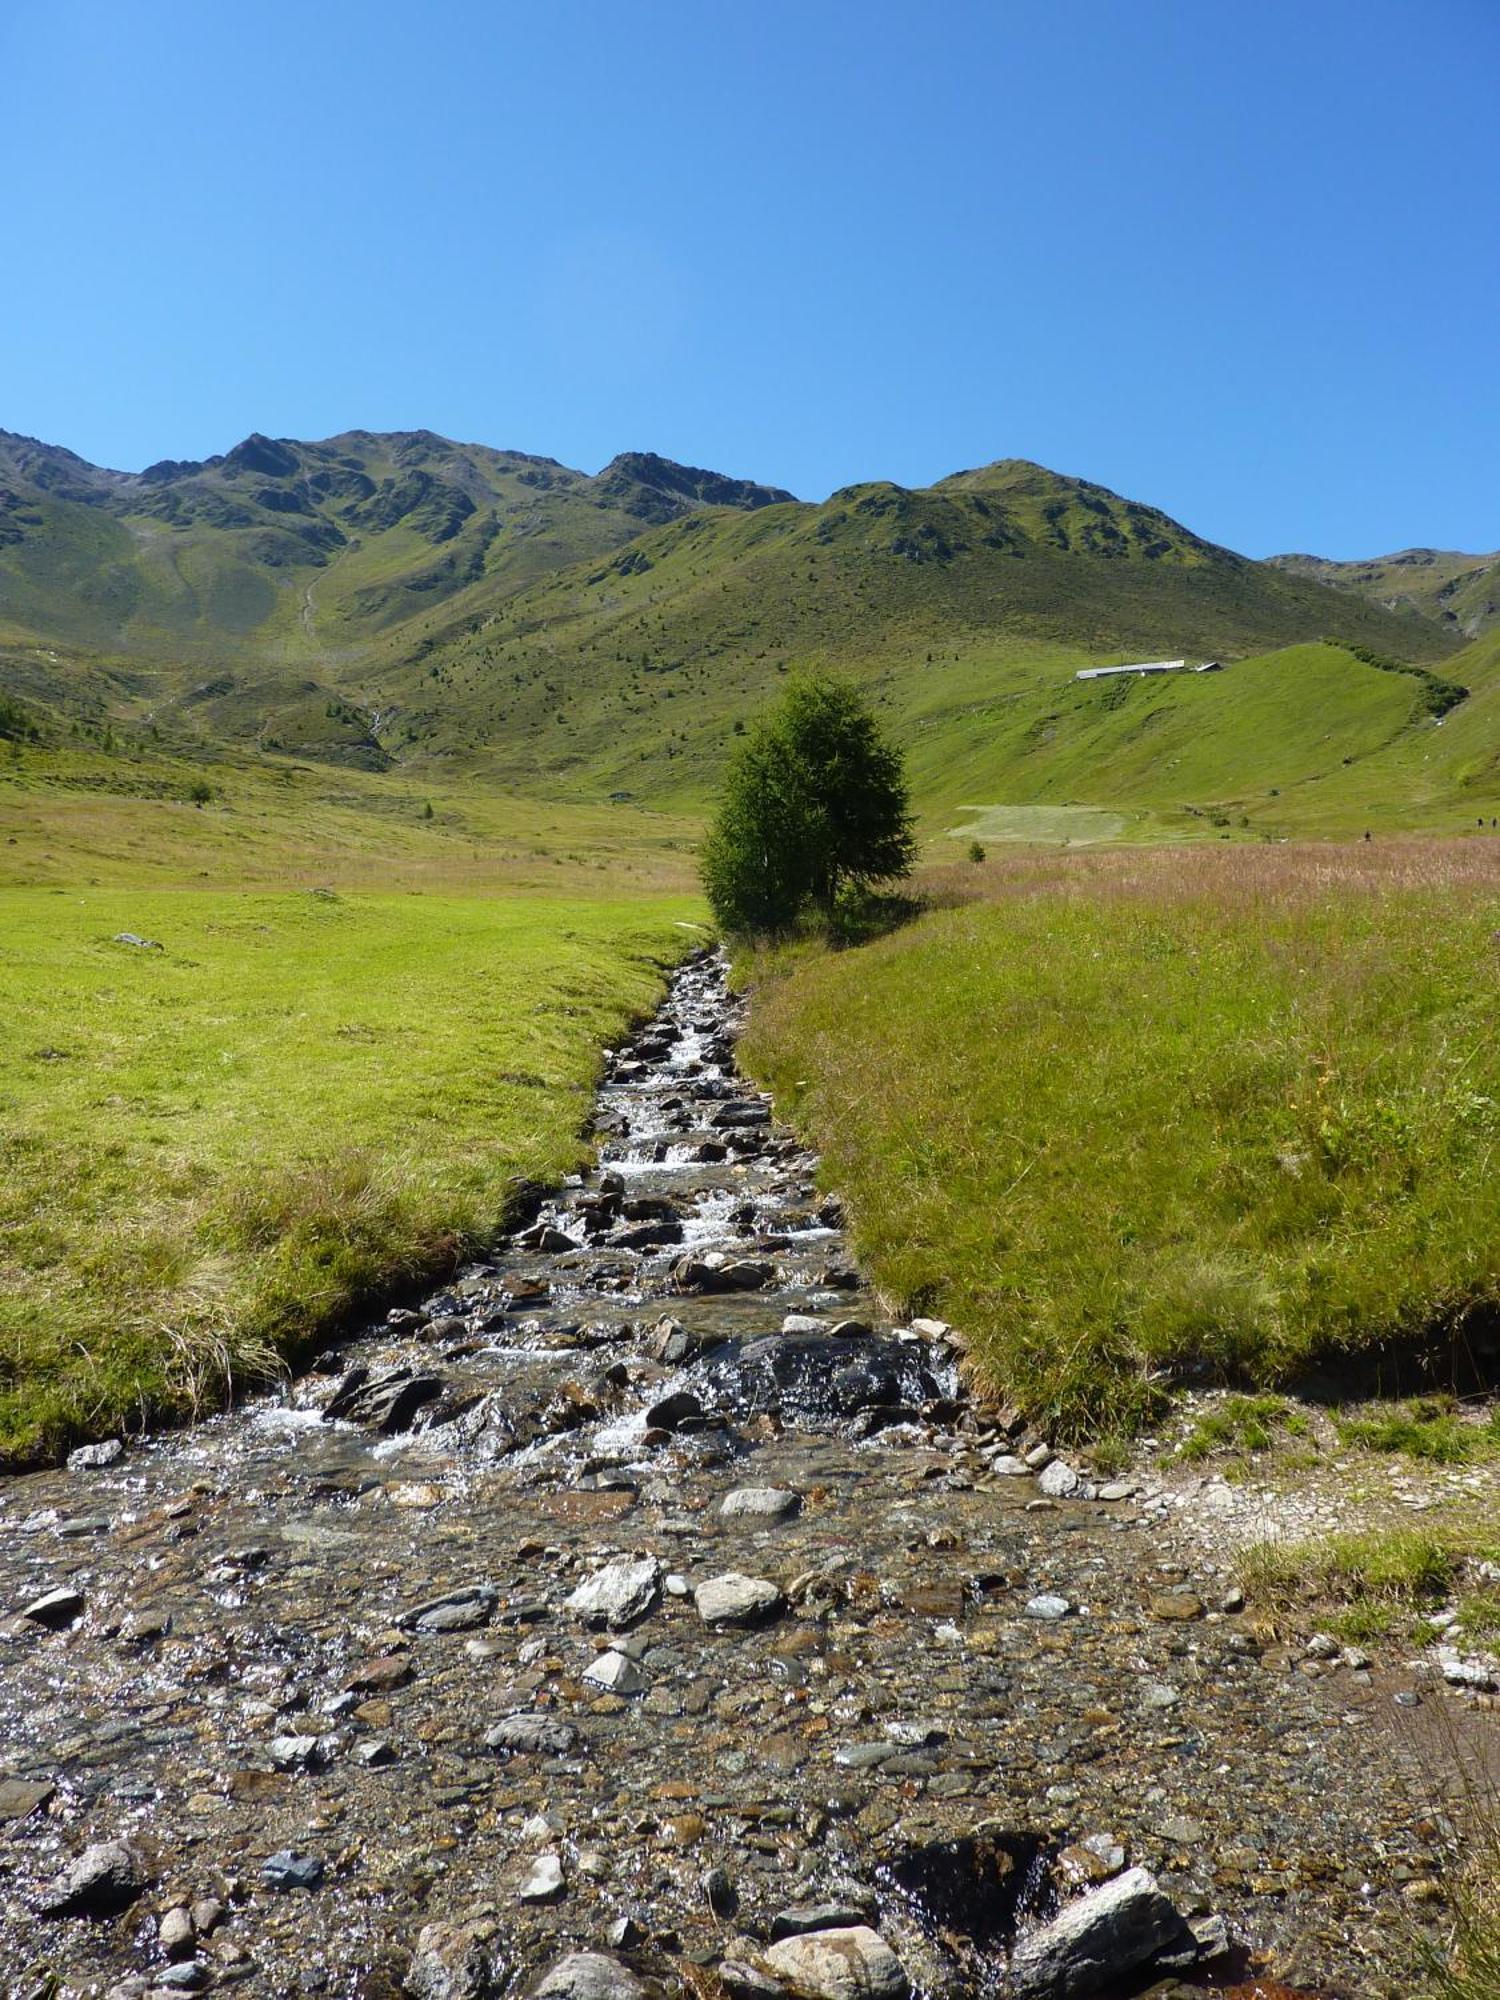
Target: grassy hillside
379	601
957	604
1135	1118
1459	592
1308	737
214	1149
247	593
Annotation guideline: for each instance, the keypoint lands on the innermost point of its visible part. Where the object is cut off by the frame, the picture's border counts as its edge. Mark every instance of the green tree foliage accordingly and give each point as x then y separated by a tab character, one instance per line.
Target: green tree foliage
814	801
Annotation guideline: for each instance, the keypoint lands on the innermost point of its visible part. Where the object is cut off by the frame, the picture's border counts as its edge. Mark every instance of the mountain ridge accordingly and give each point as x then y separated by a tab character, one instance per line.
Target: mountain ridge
1449	586
379	598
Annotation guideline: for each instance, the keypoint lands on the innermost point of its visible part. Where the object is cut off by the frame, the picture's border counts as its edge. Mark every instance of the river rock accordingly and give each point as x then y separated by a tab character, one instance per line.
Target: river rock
667	1414
1176	1607
20	1797
549	1240
714	1272
588	1975
737	1600
104	1879
458	1611
615	1673
852	1964
456	1961
175	1933
808	1917
532	1734
543	1881
55	1607
94	1457
760	1503
1092	1942
619	1594
670	1342
298	1753
1059	1481
287	1869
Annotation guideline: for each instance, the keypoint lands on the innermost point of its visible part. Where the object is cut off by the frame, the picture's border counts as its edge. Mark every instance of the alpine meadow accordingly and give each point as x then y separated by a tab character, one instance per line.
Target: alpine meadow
749	1178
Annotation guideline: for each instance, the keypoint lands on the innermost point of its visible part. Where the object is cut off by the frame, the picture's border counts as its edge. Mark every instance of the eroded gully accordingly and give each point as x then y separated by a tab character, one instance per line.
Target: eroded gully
646	1611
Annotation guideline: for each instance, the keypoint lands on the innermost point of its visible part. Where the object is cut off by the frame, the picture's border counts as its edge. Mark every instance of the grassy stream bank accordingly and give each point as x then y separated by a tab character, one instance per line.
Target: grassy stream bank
1134	1117
214	1149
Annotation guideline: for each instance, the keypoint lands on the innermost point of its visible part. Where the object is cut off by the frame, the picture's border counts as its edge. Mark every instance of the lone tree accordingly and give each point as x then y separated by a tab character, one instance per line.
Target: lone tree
815	799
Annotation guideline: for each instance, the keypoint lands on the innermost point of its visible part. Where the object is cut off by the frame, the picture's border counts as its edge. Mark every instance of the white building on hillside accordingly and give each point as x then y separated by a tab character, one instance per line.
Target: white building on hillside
1149	667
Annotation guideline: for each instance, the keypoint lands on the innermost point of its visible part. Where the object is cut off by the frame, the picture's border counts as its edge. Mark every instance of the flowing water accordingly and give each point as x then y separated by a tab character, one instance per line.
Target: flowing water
297	1625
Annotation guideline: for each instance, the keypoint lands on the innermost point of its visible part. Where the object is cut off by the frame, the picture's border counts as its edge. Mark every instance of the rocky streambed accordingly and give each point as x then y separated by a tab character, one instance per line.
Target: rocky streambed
647	1614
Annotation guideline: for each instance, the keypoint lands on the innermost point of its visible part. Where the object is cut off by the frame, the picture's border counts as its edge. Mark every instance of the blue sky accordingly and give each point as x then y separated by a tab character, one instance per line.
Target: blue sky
1241	261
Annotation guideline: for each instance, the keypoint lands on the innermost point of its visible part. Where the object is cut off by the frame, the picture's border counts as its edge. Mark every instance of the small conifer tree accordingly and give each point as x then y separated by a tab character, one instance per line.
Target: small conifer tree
814	801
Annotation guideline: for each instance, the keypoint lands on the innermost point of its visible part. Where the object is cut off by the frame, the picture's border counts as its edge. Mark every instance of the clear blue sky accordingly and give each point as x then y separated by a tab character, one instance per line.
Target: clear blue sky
1239	260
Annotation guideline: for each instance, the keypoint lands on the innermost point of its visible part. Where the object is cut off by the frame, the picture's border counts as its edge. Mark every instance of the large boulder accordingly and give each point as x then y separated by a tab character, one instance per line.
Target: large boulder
1091	1943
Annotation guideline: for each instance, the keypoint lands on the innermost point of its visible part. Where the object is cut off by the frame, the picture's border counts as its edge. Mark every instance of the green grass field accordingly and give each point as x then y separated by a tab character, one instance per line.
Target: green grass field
215	1150
1139	1116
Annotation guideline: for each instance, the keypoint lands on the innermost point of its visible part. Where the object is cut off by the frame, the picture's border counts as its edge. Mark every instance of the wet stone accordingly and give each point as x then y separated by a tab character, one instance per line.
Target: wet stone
55	1607
95	1457
287	1870
1109	1931
1176	1606
588	1975
904	1753
382	1676
458	1611
759	1503
737	1600
104	1879
20	1797
850	1964
532	1735
457	1961
619	1594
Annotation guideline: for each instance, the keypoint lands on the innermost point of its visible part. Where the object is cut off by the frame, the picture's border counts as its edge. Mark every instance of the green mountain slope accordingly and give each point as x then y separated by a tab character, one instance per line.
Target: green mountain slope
307	554
511	624
950	600
1461	592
